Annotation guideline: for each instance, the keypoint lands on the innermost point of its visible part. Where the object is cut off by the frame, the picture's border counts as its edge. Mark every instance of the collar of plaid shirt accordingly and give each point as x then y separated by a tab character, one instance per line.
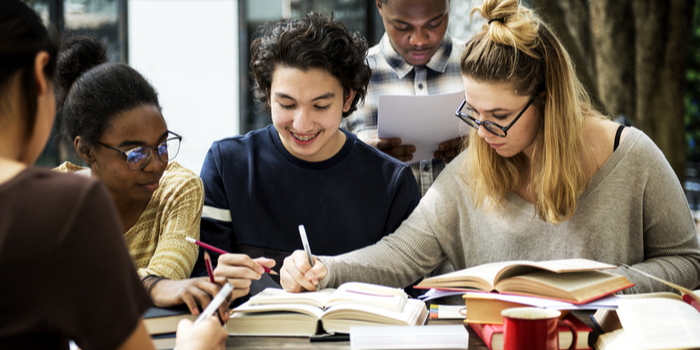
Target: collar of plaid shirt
437	63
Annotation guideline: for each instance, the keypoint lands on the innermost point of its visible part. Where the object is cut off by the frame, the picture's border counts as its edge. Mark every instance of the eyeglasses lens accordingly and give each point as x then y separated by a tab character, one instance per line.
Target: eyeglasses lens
138	157
169	149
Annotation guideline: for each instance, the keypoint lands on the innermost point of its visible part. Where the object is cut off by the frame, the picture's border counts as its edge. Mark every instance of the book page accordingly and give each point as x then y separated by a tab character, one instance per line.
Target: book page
309	310
341	317
660	323
479	277
279	296
485	277
574	287
557	266
368	294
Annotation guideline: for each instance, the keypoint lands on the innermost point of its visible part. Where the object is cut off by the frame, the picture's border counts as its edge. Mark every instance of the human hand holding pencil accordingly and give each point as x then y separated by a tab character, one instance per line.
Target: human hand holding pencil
239	269
301	271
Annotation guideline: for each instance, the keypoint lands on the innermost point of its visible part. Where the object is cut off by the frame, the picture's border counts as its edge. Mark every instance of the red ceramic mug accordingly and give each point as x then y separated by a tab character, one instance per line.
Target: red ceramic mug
531	328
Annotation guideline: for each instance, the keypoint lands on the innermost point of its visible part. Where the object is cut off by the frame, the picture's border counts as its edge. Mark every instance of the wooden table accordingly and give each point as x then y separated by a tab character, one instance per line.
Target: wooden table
270	343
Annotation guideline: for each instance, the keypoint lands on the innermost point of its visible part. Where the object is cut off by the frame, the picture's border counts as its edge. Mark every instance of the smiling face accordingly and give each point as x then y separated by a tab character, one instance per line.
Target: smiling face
499	104
141	126
307	107
415	27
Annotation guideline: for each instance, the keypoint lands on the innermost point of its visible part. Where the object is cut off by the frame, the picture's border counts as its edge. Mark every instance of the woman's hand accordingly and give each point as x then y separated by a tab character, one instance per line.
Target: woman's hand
240	269
193	291
207	335
297	275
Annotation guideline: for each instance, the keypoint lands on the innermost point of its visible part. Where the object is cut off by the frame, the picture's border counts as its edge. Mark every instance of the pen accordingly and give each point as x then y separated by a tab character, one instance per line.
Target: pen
221	251
210	273
215	303
305	242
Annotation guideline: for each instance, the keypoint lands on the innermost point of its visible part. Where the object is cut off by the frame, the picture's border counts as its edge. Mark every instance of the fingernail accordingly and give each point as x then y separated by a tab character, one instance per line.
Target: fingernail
413	149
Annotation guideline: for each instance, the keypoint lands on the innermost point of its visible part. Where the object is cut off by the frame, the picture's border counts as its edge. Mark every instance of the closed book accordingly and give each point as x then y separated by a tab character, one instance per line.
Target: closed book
274	312
163	341
492	334
160	320
577	281
485	308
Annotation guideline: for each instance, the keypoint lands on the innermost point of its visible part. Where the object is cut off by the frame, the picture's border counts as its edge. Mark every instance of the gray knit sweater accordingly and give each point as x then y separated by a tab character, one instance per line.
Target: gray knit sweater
633	211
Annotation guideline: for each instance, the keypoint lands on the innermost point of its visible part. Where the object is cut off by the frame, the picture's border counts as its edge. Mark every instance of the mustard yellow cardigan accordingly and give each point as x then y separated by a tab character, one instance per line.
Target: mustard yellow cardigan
157	242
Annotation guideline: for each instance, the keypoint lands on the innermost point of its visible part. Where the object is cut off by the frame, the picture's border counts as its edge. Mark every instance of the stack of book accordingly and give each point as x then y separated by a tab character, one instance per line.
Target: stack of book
560	283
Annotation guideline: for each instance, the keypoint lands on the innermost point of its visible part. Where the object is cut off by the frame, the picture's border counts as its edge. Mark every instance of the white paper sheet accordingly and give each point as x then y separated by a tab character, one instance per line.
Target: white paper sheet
424	121
406	337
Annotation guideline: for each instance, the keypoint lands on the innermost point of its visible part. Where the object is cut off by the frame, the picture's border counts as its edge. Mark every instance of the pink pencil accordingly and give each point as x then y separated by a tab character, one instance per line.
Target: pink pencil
220	251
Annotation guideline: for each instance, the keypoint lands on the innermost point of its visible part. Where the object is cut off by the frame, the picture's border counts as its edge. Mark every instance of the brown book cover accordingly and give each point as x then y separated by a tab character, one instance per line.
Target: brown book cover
576	281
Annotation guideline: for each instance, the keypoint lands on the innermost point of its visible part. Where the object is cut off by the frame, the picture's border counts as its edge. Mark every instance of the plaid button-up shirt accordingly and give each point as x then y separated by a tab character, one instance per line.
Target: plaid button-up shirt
392	75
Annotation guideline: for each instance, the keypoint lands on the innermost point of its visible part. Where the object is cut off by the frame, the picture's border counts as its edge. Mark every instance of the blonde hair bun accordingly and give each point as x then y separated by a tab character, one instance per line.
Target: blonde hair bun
509	23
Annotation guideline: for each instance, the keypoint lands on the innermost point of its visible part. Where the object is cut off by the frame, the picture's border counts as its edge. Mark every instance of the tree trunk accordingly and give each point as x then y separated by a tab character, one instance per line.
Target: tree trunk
662	30
570	21
612	31
630	54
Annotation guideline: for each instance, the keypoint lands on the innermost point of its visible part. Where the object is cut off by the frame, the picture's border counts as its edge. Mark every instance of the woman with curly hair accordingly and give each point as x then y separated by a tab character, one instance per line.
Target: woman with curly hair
545	176
303	169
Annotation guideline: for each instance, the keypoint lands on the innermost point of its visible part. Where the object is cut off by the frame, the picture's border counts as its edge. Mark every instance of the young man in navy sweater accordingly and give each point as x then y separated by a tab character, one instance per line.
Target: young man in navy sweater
302	169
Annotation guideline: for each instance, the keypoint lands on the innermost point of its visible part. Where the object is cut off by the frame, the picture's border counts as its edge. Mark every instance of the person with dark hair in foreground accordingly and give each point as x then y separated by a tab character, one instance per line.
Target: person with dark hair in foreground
68	273
303	169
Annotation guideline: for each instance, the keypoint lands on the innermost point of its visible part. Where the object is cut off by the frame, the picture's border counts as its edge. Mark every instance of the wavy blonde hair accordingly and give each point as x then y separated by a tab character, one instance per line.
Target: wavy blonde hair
517	48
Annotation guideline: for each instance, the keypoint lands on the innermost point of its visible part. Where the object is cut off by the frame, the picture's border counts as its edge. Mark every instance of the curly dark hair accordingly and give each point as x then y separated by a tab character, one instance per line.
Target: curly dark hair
90	92
22	37
315	41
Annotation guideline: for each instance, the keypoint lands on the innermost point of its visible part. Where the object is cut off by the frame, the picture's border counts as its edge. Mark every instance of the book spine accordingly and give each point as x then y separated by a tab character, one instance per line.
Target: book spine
480	329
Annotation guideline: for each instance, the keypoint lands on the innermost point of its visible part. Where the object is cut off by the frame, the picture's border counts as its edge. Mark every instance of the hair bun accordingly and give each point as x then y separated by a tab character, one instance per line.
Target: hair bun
78	54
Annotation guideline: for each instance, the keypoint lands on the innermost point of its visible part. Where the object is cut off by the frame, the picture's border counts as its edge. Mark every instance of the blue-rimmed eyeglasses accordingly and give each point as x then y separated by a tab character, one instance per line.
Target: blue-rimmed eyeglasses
137	158
492	127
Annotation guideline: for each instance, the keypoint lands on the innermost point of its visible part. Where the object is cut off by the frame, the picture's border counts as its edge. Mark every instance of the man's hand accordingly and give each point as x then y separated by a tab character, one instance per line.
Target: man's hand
297	275
240	269
393	147
448	150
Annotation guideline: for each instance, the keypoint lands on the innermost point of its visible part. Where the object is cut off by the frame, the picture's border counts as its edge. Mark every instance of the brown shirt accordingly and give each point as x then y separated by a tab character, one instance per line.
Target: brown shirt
64	267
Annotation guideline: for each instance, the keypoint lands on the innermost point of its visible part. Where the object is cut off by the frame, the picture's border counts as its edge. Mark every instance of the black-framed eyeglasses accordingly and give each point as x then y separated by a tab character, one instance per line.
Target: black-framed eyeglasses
492	127
137	158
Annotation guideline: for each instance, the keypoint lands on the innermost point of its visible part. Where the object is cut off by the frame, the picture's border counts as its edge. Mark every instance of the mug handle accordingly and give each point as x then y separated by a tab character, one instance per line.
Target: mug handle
574	339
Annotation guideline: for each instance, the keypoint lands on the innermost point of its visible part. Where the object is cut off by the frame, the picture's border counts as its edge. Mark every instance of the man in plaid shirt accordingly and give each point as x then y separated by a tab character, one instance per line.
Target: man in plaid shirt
415	56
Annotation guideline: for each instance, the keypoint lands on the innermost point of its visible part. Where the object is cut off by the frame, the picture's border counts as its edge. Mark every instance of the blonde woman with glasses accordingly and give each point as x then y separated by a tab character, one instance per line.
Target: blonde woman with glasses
544	176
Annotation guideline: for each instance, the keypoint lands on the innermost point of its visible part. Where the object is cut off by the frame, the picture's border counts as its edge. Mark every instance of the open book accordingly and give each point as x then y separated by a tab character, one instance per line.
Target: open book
573	280
274	312
654	321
